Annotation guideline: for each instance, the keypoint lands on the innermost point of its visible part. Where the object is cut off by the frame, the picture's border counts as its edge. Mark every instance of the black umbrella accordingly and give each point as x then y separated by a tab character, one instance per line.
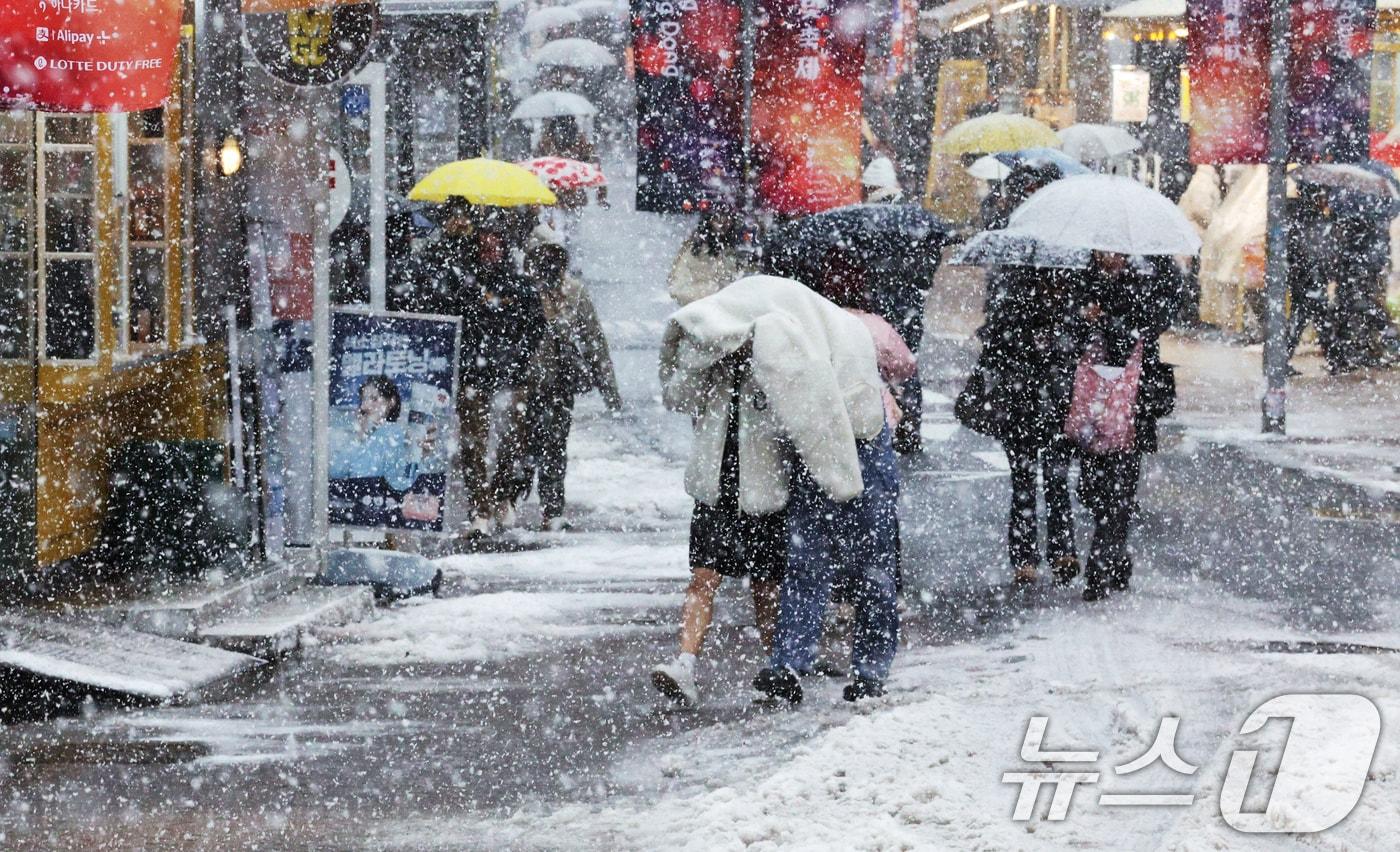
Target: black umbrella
899	239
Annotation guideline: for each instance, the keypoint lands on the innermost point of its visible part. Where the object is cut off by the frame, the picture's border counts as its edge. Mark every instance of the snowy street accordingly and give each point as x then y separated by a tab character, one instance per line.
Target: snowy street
515	711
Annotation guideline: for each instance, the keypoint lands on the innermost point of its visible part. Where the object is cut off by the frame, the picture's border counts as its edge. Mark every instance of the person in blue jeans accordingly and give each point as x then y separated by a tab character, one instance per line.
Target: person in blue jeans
854	541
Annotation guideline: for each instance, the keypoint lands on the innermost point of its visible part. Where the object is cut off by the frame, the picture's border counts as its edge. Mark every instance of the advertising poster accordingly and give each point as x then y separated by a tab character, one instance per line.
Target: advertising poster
1329	80
808	66
87	55
393	380
690	121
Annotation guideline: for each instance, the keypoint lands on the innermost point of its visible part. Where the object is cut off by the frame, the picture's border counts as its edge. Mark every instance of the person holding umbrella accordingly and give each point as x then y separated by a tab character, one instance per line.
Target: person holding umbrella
472	273
1118	240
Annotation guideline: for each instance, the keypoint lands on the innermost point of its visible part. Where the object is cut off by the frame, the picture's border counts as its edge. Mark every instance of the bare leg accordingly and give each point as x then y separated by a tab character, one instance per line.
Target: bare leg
698	609
765	610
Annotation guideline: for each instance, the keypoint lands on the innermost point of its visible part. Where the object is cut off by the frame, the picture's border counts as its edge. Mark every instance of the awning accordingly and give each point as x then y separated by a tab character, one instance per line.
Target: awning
394	8
944	19
1150	9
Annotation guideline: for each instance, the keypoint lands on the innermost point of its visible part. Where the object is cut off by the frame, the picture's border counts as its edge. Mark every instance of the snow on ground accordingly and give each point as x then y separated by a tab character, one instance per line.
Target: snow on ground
922	768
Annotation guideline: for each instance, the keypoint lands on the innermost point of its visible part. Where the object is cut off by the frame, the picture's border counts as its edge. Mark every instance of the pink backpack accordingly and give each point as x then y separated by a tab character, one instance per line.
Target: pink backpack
1103	409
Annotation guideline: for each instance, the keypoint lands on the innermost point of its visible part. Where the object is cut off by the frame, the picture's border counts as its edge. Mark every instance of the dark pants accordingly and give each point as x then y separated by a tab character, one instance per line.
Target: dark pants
903	308
1108	487
551	418
856	540
1052	463
1309	304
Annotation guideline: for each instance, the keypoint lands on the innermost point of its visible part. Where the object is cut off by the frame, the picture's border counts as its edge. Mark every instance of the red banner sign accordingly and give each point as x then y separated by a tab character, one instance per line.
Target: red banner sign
87	55
809	61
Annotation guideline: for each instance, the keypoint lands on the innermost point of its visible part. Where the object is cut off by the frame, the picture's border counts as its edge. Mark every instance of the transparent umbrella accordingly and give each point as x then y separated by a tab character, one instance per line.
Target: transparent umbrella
574	53
1090	143
544	20
552	103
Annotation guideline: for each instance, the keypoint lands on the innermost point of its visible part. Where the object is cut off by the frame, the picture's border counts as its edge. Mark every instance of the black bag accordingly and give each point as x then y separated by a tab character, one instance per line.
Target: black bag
1157	396
975	408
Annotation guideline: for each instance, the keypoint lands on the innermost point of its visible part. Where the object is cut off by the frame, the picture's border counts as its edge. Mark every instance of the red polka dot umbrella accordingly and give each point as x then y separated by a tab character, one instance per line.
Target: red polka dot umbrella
561	173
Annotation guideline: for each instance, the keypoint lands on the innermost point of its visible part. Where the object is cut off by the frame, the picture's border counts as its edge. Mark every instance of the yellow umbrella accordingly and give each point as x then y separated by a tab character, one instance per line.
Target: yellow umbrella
998	131
490	183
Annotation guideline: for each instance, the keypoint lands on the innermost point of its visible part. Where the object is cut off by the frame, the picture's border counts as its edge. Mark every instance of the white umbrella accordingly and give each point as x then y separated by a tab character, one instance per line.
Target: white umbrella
574	53
551	103
596	9
989	168
1061	223
544	20
1089	143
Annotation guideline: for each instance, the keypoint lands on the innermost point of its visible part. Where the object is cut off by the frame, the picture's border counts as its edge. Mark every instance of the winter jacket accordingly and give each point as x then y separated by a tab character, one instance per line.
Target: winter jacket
1019	390
696	274
573	357
812	385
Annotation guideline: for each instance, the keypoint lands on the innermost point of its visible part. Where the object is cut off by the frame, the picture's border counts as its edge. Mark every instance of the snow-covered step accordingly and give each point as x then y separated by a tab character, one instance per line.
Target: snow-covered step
181	616
49	656
276	627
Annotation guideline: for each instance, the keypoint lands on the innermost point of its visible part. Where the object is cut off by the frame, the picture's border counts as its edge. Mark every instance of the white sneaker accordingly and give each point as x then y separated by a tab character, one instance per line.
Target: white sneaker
676	682
555	525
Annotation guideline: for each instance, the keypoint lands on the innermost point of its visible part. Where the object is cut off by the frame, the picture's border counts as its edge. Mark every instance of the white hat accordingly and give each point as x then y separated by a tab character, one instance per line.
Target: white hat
879	177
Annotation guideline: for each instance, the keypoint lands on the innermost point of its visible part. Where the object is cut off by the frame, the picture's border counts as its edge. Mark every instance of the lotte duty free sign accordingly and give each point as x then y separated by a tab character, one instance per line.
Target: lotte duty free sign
87	55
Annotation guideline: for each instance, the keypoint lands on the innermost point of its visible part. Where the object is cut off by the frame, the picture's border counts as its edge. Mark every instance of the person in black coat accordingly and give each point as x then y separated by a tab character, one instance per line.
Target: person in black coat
470	273
1018	394
1119	308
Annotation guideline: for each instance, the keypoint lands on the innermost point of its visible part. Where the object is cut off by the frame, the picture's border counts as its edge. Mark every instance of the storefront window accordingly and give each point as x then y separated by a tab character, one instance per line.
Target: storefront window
67	282
16	233
144	307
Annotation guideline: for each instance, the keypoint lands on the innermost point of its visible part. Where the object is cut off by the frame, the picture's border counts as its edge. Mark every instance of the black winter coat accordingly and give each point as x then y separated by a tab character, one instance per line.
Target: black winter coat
502	317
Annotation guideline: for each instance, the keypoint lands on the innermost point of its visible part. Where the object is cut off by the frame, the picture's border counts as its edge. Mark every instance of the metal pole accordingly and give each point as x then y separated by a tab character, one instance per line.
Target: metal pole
1276	270
746	64
320	383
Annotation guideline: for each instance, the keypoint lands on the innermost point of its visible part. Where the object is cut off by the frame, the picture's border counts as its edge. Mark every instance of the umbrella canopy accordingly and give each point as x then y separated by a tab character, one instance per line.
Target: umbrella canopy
1379	182
998	166
1089	143
588	9
544	20
999	131
561	173
901	238
489	183
574	53
1063	222
552	103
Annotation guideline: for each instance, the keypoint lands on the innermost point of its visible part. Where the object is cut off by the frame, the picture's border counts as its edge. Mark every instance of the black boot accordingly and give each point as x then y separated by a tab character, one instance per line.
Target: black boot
779	683
863	687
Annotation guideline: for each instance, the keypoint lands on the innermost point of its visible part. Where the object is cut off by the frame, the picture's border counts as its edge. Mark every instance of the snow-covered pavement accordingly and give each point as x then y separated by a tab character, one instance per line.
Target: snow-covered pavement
516	712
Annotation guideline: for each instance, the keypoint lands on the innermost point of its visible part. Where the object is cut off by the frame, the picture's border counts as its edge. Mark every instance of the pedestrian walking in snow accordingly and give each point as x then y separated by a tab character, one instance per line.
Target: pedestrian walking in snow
709	259
572	359
1121	388
824	450
1018	394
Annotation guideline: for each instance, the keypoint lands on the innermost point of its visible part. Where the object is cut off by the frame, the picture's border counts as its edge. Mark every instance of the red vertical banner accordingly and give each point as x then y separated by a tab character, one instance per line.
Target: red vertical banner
1329	80
1228	56
809	62
87	55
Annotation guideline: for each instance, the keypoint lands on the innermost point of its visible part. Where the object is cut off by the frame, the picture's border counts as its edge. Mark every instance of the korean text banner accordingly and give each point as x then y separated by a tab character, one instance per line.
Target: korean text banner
808	65
87	55
1329	80
392	384
690	123
1228	56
